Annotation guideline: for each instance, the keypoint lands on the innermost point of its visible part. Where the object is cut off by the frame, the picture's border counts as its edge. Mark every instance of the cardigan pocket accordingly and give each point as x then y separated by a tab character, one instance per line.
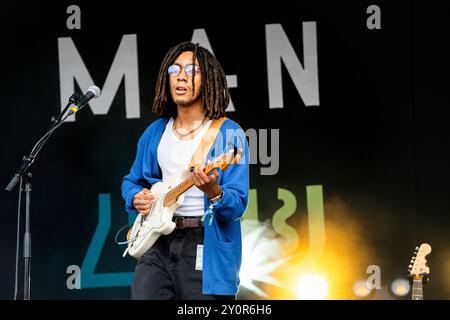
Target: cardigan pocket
226	267
225	245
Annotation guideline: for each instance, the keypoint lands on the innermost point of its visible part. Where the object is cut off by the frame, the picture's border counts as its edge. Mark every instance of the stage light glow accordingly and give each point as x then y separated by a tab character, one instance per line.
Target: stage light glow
400	287
312	287
343	261
360	289
261	255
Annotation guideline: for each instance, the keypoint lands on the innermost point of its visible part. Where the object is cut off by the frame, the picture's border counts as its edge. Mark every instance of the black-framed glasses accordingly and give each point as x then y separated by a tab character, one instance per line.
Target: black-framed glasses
175	69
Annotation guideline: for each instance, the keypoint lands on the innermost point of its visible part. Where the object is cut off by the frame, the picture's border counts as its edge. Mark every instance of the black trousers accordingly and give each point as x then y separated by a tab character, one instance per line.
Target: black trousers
167	270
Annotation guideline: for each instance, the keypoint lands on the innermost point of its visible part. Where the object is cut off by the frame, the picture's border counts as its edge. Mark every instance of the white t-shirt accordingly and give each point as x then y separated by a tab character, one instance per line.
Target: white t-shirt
175	154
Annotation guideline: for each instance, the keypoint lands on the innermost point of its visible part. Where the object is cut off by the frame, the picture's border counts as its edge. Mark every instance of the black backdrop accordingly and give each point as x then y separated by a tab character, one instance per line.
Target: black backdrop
377	142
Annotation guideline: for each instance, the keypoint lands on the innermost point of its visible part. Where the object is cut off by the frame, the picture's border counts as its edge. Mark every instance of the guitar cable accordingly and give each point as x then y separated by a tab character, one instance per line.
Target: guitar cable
117	235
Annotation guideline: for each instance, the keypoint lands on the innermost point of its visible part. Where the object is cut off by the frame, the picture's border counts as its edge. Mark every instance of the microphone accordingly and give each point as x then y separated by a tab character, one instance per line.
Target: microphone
92	92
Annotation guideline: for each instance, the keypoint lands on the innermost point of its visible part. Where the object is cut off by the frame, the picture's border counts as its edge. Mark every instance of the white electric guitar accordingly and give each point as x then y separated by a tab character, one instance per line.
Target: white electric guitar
169	196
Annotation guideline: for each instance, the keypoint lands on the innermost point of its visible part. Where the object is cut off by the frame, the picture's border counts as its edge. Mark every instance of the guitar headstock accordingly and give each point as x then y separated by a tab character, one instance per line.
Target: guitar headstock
231	156
419	267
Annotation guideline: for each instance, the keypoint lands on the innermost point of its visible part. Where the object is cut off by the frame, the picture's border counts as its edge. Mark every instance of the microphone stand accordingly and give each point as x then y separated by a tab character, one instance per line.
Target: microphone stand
24	174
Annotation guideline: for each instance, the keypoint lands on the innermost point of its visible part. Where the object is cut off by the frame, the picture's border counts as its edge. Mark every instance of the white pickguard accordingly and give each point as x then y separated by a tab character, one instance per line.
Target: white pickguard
147	228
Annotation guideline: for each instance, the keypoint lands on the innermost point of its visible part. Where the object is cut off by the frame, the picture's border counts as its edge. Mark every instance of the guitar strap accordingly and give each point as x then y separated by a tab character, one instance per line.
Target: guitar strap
205	145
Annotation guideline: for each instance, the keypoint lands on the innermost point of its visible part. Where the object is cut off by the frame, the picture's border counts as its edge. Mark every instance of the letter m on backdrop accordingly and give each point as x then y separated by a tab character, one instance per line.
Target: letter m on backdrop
124	66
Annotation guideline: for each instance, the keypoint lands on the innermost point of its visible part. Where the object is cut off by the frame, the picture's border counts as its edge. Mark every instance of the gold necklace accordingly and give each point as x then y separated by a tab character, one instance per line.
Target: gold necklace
190	132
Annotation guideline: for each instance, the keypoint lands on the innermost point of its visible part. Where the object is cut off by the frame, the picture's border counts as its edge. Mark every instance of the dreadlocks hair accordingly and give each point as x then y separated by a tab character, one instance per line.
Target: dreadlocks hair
214	91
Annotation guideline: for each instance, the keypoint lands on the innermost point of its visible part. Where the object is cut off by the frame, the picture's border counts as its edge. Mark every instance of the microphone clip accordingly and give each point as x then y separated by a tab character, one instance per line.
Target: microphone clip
74	98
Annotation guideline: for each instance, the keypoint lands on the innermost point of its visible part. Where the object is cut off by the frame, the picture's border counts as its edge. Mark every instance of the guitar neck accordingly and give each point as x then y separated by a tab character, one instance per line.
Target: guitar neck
172	195
417	289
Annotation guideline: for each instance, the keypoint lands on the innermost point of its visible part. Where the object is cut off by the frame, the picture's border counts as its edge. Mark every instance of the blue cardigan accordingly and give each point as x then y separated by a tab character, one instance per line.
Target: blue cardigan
222	249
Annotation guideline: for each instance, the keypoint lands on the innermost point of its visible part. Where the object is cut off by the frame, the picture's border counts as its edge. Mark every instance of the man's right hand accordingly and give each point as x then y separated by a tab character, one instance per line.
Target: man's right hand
142	201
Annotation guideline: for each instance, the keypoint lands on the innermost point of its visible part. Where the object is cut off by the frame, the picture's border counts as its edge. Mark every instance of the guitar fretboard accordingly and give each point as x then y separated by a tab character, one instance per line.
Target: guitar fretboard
417	290
221	162
172	195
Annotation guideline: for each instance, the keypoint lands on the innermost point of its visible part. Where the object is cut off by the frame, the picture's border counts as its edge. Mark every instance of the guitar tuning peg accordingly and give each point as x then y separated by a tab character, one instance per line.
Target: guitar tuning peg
417	249
410	267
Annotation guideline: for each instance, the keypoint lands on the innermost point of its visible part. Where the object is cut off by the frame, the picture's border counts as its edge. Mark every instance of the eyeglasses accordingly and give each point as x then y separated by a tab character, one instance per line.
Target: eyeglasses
175	69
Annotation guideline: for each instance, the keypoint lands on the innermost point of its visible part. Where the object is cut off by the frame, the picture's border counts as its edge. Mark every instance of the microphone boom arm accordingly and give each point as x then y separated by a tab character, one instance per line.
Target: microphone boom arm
29	160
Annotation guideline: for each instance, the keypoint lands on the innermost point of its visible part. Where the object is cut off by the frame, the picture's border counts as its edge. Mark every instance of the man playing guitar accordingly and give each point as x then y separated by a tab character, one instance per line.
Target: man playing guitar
201	258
